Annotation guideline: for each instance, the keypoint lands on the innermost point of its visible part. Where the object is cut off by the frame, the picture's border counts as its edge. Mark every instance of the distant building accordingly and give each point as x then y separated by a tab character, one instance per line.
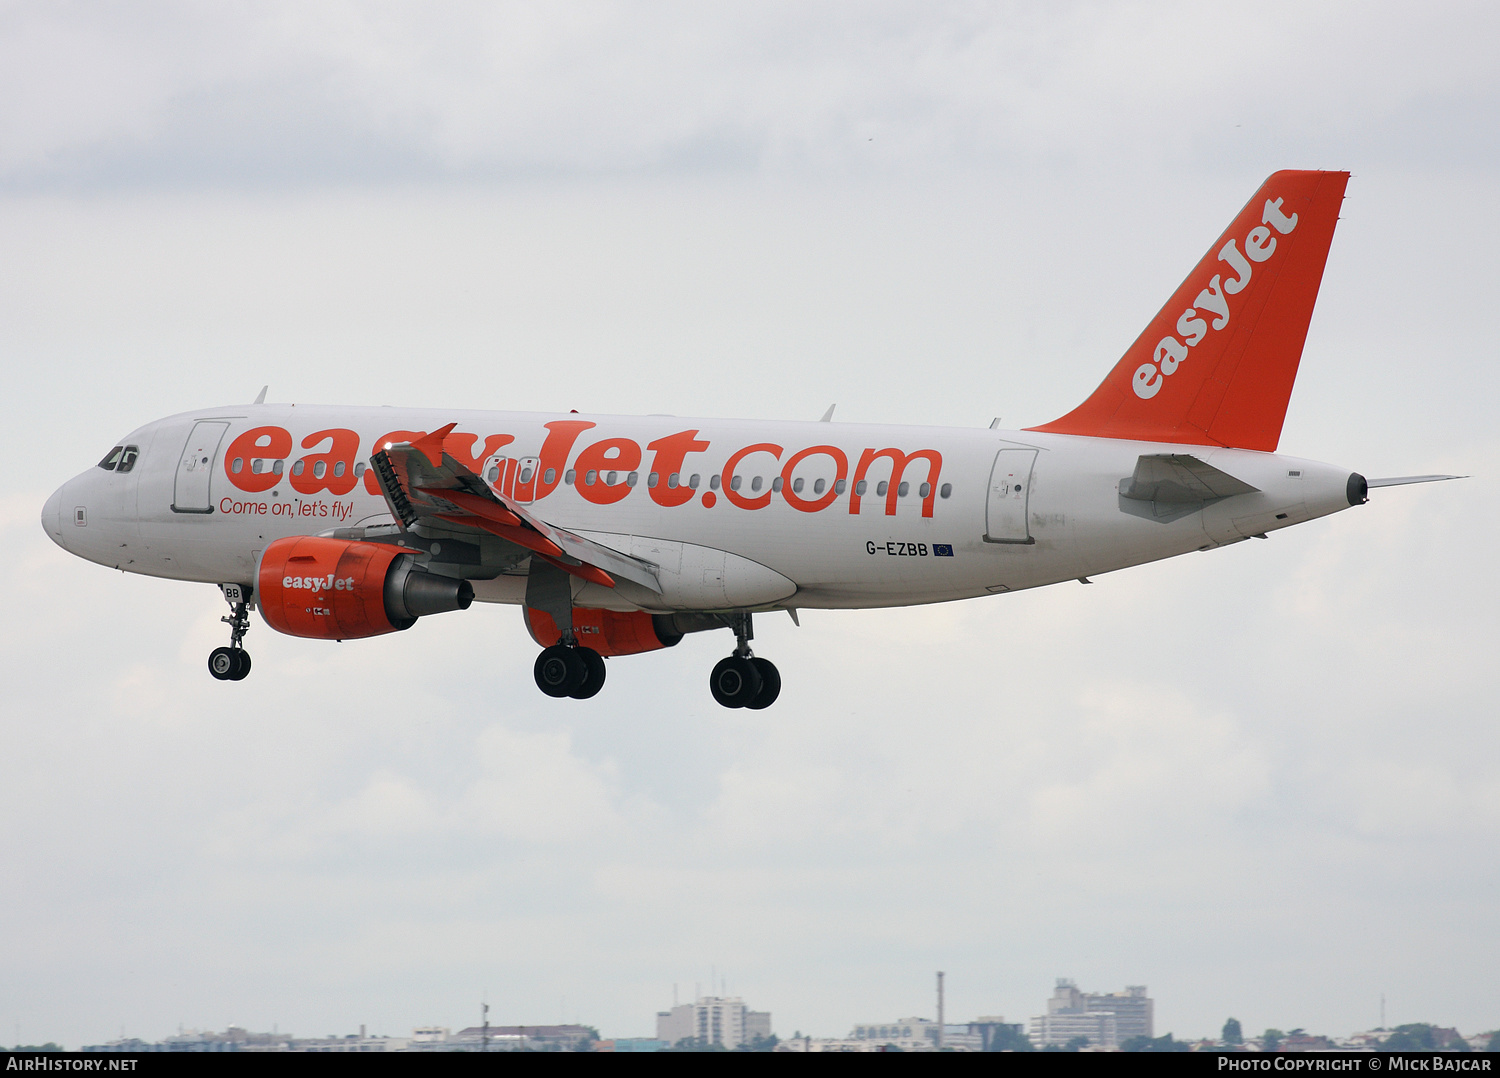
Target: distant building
233	1039
919	1035
353	1042
722	1020
1105	1019
631	1044
995	1033
565	1038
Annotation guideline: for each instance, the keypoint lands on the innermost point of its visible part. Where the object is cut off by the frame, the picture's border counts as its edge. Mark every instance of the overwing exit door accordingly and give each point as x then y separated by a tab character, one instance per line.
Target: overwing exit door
1005	519
190	493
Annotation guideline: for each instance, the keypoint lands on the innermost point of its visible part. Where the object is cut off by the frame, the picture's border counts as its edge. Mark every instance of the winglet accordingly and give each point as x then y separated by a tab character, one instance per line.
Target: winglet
1217	363
828	415
260	398
431	445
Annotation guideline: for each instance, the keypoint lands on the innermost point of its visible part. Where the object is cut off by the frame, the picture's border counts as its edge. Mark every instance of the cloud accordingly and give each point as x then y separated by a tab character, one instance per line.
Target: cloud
235	94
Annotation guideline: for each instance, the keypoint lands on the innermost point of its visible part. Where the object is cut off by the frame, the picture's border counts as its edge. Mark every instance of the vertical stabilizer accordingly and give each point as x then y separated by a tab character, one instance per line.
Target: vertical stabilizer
1217	363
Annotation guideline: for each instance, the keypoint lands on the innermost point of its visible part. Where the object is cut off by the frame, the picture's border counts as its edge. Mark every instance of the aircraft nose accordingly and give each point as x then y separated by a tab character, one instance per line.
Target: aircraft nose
52	516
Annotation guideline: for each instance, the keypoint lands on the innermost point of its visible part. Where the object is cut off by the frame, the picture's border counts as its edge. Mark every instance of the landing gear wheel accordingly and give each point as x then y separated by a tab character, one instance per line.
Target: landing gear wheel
560	671
735	681
223	664
770	684
242	665
593	663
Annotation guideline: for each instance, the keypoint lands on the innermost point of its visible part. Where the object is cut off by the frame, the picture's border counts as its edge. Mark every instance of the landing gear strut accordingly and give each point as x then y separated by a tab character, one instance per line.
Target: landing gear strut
564	669
743	679
232	663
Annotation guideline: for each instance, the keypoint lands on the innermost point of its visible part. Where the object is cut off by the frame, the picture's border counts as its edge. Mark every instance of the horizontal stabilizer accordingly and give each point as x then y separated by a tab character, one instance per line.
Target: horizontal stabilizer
1408	480
1180	479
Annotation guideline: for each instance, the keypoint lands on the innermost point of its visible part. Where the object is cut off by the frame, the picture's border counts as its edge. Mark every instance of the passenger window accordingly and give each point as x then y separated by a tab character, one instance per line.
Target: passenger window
797	486
693	481
112	458
632	479
776	484
298	468
526	474
359	469
278	467
493	475
903	489
613	478
653	479
862	486
840	486
818	487
338	470
672	481
549	476
734	484
569	476
588	479
880	488
319	468
945	490
238	466
713	481
924	490
127	459
755	483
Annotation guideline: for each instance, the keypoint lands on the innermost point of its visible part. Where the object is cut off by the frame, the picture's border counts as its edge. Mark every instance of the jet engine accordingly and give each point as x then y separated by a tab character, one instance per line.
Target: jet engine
609	632
334	589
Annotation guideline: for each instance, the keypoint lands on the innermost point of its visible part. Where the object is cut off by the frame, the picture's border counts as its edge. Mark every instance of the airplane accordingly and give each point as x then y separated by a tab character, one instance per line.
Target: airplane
618	535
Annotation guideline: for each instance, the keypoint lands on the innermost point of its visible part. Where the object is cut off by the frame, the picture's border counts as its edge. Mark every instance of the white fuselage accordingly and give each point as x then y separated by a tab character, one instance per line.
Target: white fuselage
805	520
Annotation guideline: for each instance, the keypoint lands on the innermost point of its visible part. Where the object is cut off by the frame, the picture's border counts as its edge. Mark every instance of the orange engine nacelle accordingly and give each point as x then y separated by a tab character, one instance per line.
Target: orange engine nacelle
608	632
334	589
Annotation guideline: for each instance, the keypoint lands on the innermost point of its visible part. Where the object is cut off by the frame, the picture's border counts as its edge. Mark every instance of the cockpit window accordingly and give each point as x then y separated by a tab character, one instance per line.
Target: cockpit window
127	458
112	458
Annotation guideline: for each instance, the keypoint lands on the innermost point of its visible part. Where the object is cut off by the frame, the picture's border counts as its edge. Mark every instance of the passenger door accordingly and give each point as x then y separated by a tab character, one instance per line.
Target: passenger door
1009	494
191	491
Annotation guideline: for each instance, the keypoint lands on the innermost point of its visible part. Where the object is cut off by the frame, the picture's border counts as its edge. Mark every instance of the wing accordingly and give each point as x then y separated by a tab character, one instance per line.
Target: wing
424	485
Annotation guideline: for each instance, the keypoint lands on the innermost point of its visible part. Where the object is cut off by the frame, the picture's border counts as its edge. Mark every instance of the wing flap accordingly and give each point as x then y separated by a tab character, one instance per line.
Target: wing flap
423	484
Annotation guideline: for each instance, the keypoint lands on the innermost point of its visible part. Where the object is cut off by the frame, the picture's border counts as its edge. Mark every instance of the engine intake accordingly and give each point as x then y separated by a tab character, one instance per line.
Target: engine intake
335	589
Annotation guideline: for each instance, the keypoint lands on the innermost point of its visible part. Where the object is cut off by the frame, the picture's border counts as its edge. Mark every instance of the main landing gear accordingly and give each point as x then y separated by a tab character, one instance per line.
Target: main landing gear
562	670
232	663
743	679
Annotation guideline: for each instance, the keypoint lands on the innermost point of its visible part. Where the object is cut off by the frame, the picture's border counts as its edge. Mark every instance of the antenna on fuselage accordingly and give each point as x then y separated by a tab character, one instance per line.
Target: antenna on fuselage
260	398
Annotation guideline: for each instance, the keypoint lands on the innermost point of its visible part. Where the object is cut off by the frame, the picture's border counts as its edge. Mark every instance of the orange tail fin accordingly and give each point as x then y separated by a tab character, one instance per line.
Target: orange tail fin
1216	365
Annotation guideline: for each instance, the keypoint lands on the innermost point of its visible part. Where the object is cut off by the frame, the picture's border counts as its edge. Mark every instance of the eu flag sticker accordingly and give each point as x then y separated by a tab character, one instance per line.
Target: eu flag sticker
942	550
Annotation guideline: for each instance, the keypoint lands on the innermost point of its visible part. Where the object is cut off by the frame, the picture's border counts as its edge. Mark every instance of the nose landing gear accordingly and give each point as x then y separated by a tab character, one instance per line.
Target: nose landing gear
233	663
744	679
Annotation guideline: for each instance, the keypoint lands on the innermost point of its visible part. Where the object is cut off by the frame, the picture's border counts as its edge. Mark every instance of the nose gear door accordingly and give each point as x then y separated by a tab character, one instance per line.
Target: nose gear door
190	493
1009	494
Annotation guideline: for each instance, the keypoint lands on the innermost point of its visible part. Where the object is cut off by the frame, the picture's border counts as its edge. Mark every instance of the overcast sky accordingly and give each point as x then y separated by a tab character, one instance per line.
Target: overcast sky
1264	781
